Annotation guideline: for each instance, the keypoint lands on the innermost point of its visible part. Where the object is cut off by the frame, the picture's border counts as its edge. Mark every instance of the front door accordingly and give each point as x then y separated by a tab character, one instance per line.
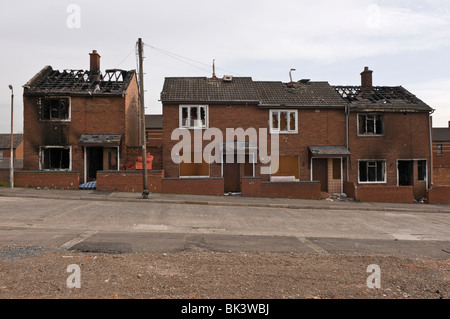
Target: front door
320	172
231	176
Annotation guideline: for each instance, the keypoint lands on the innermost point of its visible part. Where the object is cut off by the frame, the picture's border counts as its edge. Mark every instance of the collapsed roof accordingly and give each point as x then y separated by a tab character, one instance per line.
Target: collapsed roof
78	82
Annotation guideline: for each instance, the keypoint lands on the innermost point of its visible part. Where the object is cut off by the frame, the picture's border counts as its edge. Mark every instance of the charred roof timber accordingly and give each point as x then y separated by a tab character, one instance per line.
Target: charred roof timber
80	82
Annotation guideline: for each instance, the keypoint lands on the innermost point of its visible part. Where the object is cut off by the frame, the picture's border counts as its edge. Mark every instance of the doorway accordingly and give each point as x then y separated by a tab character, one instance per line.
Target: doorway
405	173
94	162
320	172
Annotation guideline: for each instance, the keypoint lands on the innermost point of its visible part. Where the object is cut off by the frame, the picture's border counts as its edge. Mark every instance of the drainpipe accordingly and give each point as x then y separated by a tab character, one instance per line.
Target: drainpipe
431	149
346	137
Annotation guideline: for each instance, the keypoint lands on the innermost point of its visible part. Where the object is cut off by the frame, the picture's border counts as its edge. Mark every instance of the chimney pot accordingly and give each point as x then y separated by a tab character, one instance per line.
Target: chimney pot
94	62
366	78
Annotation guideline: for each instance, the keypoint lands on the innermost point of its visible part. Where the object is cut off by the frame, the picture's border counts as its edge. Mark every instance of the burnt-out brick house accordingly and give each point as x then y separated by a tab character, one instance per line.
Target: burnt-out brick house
371	142
78	122
389	137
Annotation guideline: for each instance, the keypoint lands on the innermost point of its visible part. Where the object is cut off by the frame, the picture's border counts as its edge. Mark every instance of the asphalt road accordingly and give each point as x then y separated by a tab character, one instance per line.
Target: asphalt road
103	226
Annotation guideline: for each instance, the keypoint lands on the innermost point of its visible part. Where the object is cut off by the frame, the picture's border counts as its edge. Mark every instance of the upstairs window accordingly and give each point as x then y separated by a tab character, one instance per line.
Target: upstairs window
283	121
372	171
194	116
55	109
439	149
370	124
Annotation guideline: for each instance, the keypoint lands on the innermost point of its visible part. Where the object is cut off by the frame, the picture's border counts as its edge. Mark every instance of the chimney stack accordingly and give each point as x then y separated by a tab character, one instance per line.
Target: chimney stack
366	78
95	62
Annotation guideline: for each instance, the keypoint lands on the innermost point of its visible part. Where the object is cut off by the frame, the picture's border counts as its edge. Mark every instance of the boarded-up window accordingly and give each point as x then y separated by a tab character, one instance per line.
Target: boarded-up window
336	168
288	166
194	169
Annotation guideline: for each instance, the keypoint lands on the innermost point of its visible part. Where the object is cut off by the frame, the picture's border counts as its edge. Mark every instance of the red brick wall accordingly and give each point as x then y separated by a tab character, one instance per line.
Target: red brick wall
441	175
59	180
129	181
194	186
388	194
324	127
349	189
254	187
302	190
439	195
441	164
406	138
251	186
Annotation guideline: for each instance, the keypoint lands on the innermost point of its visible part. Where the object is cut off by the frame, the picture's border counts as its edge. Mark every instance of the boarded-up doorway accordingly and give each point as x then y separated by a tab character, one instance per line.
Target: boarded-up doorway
320	172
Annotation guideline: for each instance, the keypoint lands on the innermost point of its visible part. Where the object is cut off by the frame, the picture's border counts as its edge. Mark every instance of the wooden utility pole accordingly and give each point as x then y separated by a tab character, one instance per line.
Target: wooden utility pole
11	164
145	192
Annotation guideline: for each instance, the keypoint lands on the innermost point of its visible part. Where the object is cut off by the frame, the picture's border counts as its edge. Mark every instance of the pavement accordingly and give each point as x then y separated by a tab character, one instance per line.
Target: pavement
220	200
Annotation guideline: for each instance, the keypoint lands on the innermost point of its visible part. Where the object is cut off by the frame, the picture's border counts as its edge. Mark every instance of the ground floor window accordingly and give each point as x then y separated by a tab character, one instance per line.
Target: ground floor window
288	166
372	171
422	170
57	158
193	169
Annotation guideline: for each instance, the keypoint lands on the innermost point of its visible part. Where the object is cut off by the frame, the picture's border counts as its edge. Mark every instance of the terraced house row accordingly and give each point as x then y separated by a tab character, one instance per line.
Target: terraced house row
372	143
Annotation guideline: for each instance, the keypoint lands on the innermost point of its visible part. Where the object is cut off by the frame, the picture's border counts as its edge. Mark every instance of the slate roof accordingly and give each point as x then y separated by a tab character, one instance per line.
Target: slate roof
329	151
381	98
5	140
100	140
78	82
441	134
244	89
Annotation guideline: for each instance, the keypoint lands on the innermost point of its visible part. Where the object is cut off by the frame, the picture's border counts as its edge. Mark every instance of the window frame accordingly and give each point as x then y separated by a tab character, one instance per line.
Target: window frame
425	172
278	130
189	107
368	134
376	173
48	147
69	110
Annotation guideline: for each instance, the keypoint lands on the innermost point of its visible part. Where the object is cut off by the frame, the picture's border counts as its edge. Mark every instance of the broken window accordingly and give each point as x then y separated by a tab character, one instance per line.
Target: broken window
193	116
372	171
370	124
55	109
422	170
55	158
283	121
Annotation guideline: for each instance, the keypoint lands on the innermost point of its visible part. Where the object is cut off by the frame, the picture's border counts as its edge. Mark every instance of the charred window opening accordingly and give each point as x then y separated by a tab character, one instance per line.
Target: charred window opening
370	124
372	171
422	170
55	158
55	109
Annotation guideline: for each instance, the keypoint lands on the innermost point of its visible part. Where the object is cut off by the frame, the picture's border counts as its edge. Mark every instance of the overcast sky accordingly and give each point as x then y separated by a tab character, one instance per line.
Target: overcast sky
405	42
